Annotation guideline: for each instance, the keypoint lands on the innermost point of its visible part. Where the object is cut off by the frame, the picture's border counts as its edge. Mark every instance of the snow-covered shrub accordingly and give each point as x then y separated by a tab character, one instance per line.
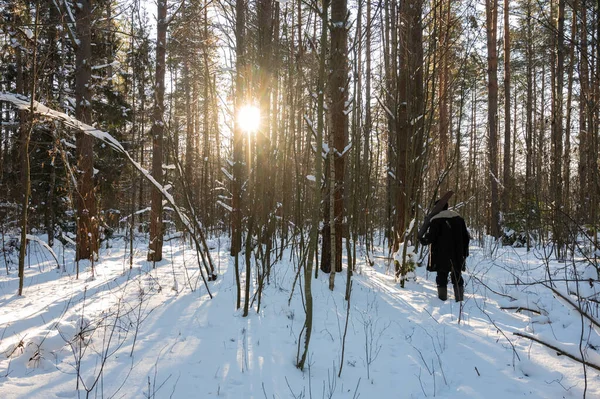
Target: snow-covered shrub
405	268
514	238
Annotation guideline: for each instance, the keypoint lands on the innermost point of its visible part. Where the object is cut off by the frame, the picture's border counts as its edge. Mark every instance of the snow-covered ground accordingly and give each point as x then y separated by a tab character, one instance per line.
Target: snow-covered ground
156	333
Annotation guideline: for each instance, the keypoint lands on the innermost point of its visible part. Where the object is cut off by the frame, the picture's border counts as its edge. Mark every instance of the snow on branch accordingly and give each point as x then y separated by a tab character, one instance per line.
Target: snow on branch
496	179
70	23
114	64
310	125
386	109
226	173
224	205
348	147
125	218
23	104
43	244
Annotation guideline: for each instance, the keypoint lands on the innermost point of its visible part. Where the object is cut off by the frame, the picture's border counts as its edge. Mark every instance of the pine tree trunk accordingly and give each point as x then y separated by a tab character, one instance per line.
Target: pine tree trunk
595	137
325	253
529	129
316	210
87	223
390	59
339	118
49	214
567	152
206	203
332	225
56	64
491	12
24	135
444	82
368	125
540	138
409	133
556	181
238	156
190	148
583	114
157	132
26	129
264	161
506	191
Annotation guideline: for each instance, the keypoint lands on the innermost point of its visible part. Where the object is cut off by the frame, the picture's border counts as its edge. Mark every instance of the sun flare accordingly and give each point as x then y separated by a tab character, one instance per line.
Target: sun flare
249	118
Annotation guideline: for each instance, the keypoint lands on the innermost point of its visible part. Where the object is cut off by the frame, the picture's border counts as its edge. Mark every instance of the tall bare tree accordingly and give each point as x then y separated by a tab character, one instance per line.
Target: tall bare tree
238	156
584	79
87	218
529	124
491	12
557	73
157	132
409	135
506	191
338	87
25	136
316	210
567	200
444	49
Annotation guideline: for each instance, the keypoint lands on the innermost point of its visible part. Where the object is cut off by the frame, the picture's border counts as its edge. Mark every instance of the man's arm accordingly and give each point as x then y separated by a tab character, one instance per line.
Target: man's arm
430	235
421	234
466	239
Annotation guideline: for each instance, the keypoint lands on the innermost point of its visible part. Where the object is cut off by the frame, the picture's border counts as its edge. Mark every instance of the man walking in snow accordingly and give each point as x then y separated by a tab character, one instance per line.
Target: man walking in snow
449	241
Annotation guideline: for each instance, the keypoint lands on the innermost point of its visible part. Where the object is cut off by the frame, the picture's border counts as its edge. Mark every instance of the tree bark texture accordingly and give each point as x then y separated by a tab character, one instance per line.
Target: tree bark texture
491	12
506	191
87	222
339	118
556	182
157	132
409	124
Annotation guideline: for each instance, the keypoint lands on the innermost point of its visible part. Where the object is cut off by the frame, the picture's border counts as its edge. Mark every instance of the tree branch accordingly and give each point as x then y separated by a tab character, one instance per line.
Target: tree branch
558	351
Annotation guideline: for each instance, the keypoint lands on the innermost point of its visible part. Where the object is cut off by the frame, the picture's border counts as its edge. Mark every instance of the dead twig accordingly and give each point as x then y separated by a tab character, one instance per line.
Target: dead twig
519	309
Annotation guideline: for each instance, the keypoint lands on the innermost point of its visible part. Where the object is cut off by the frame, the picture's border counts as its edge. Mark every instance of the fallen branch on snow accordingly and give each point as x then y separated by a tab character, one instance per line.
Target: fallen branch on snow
558	350
575	305
519	309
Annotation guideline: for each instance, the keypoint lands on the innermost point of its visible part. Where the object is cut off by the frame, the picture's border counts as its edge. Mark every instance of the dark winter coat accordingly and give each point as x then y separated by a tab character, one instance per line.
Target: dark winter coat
449	241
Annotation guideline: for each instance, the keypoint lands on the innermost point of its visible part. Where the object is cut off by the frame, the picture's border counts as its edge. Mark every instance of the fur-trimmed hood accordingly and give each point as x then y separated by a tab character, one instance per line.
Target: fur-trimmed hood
446	214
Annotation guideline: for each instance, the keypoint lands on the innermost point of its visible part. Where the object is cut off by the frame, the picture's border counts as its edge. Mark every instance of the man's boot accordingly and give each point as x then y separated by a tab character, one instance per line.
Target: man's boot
459	293
442	292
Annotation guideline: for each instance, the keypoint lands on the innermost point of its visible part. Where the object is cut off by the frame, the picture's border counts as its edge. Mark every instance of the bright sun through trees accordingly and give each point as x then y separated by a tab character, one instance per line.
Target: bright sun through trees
249	118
